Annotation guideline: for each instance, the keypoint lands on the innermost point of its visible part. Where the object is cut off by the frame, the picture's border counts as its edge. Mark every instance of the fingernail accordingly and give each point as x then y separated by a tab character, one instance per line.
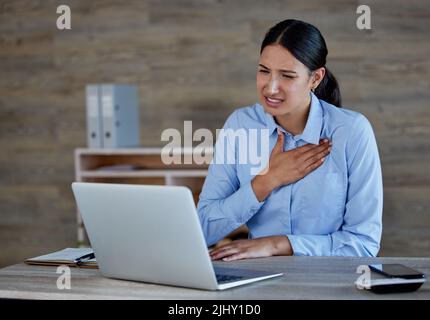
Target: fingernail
224	259
330	143
322	160
325	140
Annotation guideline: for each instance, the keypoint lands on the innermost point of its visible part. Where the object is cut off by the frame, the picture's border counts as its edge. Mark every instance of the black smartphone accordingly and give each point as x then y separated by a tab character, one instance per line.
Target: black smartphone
394	270
398	278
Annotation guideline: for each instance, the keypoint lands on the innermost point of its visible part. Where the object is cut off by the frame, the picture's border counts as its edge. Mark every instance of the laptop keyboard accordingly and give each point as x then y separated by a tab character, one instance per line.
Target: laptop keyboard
223	278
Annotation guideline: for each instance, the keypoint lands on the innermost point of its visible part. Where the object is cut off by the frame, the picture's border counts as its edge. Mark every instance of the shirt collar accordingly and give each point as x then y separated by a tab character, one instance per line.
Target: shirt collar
312	131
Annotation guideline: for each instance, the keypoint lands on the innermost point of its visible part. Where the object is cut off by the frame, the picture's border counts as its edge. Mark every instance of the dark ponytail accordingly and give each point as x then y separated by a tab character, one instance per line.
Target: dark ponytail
306	44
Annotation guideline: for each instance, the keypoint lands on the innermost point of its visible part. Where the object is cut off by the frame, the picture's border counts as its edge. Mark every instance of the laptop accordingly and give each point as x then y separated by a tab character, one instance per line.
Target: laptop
152	233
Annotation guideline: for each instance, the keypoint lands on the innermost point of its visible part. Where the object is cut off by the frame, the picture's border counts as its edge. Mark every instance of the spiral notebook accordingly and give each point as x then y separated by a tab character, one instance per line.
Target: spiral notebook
72	257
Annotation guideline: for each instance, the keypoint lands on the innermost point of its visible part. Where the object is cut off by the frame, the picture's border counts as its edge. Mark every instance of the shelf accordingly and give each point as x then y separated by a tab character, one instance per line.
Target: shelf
142	173
138	151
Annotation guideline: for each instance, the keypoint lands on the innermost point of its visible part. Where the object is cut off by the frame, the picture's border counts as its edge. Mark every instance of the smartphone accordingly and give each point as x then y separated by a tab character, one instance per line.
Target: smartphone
398	278
393	270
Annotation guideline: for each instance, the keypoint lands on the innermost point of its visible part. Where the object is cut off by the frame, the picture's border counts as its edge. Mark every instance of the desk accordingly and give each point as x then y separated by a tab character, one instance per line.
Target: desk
305	278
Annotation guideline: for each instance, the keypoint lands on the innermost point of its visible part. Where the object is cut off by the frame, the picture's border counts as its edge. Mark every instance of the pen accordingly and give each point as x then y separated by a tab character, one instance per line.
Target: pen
88	256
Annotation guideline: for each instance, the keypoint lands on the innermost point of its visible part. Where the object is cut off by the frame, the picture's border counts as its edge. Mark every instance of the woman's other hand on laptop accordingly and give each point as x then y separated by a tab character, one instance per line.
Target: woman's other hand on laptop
255	248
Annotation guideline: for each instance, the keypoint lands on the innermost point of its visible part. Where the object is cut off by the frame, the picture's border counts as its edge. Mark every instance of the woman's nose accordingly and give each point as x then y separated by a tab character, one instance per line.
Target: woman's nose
273	85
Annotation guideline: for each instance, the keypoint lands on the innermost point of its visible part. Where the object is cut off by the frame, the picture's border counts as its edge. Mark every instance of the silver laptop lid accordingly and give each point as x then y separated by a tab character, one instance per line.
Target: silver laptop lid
146	233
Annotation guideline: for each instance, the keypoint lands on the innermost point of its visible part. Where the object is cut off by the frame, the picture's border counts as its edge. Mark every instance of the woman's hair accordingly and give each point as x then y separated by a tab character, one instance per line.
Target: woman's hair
306	44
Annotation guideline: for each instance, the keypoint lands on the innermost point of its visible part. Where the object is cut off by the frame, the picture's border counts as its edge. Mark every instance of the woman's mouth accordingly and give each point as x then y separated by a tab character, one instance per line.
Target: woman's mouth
273	102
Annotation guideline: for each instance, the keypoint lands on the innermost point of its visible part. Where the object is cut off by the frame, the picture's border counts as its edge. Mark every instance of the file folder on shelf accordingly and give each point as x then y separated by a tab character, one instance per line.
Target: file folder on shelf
120	114
94	118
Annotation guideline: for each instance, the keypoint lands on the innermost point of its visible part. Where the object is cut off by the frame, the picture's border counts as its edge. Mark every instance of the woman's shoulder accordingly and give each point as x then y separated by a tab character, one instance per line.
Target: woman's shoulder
349	119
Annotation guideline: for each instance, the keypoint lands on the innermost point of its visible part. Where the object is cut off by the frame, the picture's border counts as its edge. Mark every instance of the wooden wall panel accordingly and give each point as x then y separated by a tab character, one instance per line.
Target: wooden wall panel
196	60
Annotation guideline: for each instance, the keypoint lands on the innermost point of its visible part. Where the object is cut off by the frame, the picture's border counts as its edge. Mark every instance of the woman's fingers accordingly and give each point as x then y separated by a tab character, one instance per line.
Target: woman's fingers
309	147
315	150
230	249
313	166
319	153
236	256
279	146
223	252
243	249
230	254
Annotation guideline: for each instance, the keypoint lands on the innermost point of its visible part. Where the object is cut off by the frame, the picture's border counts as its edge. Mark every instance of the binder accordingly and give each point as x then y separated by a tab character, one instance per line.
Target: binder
120	114
94	118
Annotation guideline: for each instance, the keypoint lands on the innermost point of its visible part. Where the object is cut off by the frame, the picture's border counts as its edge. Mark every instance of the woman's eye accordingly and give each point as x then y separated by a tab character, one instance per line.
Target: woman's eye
289	77
263	71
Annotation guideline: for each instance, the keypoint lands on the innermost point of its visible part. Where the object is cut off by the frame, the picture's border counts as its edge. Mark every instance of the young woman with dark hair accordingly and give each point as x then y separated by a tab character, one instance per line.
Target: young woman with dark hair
321	191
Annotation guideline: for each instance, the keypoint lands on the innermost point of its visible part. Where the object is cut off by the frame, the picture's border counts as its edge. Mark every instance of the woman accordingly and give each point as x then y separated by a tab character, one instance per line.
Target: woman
321	193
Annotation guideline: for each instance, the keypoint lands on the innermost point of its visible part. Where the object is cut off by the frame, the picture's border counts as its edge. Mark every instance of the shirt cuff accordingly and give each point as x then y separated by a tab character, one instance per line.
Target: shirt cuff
295	245
248	197
310	245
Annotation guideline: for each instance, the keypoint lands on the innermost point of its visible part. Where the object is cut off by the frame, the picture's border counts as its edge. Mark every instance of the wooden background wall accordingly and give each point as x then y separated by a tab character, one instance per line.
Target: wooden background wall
196	60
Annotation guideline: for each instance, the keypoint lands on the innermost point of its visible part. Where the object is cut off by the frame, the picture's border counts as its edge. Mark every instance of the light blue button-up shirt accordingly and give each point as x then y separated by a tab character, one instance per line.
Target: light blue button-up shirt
336	210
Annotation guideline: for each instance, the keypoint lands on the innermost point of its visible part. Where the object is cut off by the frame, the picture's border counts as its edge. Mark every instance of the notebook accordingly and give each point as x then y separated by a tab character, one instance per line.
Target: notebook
72	257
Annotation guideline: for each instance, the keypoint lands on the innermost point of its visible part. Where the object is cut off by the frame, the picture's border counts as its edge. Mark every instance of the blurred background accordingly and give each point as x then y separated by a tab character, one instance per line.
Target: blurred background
196	60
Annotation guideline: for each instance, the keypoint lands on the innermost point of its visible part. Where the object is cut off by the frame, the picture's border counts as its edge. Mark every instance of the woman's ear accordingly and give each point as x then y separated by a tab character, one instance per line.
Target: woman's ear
318	76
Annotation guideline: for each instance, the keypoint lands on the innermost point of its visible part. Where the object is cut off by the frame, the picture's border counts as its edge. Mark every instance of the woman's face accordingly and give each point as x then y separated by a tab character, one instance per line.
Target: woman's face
283	82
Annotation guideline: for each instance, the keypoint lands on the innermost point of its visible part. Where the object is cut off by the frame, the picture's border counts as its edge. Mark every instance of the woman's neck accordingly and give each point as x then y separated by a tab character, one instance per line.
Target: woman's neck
295	123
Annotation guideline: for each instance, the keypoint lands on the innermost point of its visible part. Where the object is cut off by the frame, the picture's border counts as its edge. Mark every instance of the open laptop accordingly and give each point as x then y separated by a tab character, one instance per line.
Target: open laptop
152	234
